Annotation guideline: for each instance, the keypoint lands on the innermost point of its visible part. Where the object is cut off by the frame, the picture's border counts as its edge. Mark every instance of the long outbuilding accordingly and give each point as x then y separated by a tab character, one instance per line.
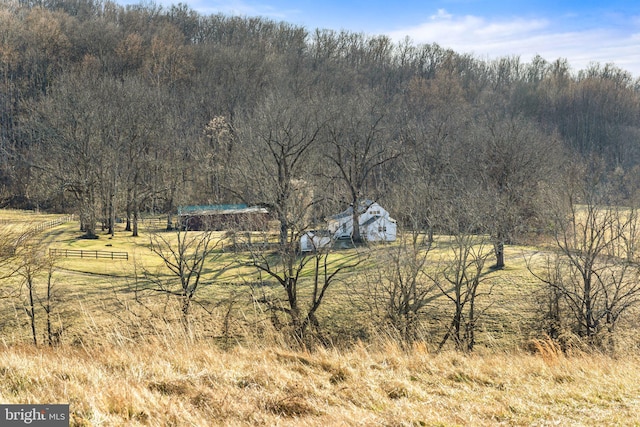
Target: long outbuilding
223	218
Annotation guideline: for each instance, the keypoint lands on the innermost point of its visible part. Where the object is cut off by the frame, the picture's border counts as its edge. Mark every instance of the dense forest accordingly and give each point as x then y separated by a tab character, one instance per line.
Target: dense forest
111	111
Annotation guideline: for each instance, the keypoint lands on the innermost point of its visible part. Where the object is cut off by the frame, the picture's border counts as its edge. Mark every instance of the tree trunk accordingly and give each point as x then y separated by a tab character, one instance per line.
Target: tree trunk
136	212
128	226
90	227
134	232
499	251
186	303
169	222
32	311
589	321
284	231
470	328
457	323
112	215
355	234
47	309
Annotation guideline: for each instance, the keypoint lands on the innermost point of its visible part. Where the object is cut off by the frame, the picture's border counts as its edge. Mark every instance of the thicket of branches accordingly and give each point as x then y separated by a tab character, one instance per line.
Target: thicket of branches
111	111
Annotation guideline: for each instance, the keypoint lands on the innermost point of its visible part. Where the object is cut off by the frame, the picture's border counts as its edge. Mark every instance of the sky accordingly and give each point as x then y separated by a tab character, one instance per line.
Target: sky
582	31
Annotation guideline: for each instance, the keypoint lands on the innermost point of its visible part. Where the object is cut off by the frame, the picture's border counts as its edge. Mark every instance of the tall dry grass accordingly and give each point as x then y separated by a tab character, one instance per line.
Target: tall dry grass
172	381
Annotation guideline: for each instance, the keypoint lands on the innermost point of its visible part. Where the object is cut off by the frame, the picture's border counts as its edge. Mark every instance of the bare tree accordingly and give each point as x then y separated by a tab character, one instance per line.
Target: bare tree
361	141
460	282
275	157
170	59
184	254
32	263
400	288
593	277
275	169
437	117
514	162
460	271
303	296
53	335
66	130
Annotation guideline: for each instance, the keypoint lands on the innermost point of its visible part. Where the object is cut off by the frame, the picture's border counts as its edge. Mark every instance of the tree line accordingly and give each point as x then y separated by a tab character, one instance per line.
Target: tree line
112	111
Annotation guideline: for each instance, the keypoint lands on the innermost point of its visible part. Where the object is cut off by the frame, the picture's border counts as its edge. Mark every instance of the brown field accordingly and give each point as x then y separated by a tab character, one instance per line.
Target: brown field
124	359
196	384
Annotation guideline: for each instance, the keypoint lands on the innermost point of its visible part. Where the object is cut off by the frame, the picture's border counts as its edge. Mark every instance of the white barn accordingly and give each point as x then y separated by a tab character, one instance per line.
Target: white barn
375	223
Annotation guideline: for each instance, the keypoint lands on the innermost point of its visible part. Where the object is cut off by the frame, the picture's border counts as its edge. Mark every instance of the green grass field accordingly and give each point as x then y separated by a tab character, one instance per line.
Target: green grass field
93	293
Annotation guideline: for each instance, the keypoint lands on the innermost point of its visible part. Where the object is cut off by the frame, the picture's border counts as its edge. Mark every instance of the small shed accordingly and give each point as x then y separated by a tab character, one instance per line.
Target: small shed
314	240
223	218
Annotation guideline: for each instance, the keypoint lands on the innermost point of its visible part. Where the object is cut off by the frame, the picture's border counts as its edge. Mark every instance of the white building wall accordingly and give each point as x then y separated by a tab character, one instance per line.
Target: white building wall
310	242
382	229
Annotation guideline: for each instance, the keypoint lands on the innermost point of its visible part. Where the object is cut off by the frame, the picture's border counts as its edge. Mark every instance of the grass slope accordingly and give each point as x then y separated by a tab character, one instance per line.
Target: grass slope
187	384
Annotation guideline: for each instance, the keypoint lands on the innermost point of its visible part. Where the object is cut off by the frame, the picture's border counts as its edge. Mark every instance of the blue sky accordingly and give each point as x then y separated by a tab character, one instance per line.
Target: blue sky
583	31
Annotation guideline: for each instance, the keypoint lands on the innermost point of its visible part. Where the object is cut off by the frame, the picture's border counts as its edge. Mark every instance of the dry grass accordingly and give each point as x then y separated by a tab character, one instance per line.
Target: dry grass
124	359
196	384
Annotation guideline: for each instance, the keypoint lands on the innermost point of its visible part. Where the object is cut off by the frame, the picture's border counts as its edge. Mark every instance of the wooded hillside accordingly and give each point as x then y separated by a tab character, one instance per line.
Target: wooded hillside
111	111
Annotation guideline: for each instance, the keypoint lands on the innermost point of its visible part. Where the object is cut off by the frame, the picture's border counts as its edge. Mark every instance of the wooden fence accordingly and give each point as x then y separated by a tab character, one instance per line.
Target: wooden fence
81	253
50	224
43	226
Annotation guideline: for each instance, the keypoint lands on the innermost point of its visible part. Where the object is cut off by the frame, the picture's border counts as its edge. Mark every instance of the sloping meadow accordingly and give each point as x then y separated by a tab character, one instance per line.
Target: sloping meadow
186	383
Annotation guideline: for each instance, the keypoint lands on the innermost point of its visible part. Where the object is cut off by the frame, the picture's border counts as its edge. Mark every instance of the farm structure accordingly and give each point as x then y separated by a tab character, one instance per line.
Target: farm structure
375	223
314	240
223	218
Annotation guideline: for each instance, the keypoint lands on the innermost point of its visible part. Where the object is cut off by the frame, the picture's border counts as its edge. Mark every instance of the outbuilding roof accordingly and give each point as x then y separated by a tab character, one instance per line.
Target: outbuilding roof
220	210
363	206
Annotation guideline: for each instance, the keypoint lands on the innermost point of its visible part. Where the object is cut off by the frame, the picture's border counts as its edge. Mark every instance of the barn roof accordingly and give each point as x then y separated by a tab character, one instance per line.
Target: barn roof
220	210
364	205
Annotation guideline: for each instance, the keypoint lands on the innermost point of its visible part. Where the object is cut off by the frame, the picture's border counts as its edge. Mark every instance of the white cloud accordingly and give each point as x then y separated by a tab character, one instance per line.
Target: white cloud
490	39
468	33
442	14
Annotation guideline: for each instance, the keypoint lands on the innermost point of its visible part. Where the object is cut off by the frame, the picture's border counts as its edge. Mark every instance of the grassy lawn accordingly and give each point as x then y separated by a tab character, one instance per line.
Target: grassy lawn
94	292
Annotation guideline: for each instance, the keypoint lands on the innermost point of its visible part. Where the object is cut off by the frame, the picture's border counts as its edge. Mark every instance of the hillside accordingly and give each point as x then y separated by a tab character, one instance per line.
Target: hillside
113	111
511	294
122	356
